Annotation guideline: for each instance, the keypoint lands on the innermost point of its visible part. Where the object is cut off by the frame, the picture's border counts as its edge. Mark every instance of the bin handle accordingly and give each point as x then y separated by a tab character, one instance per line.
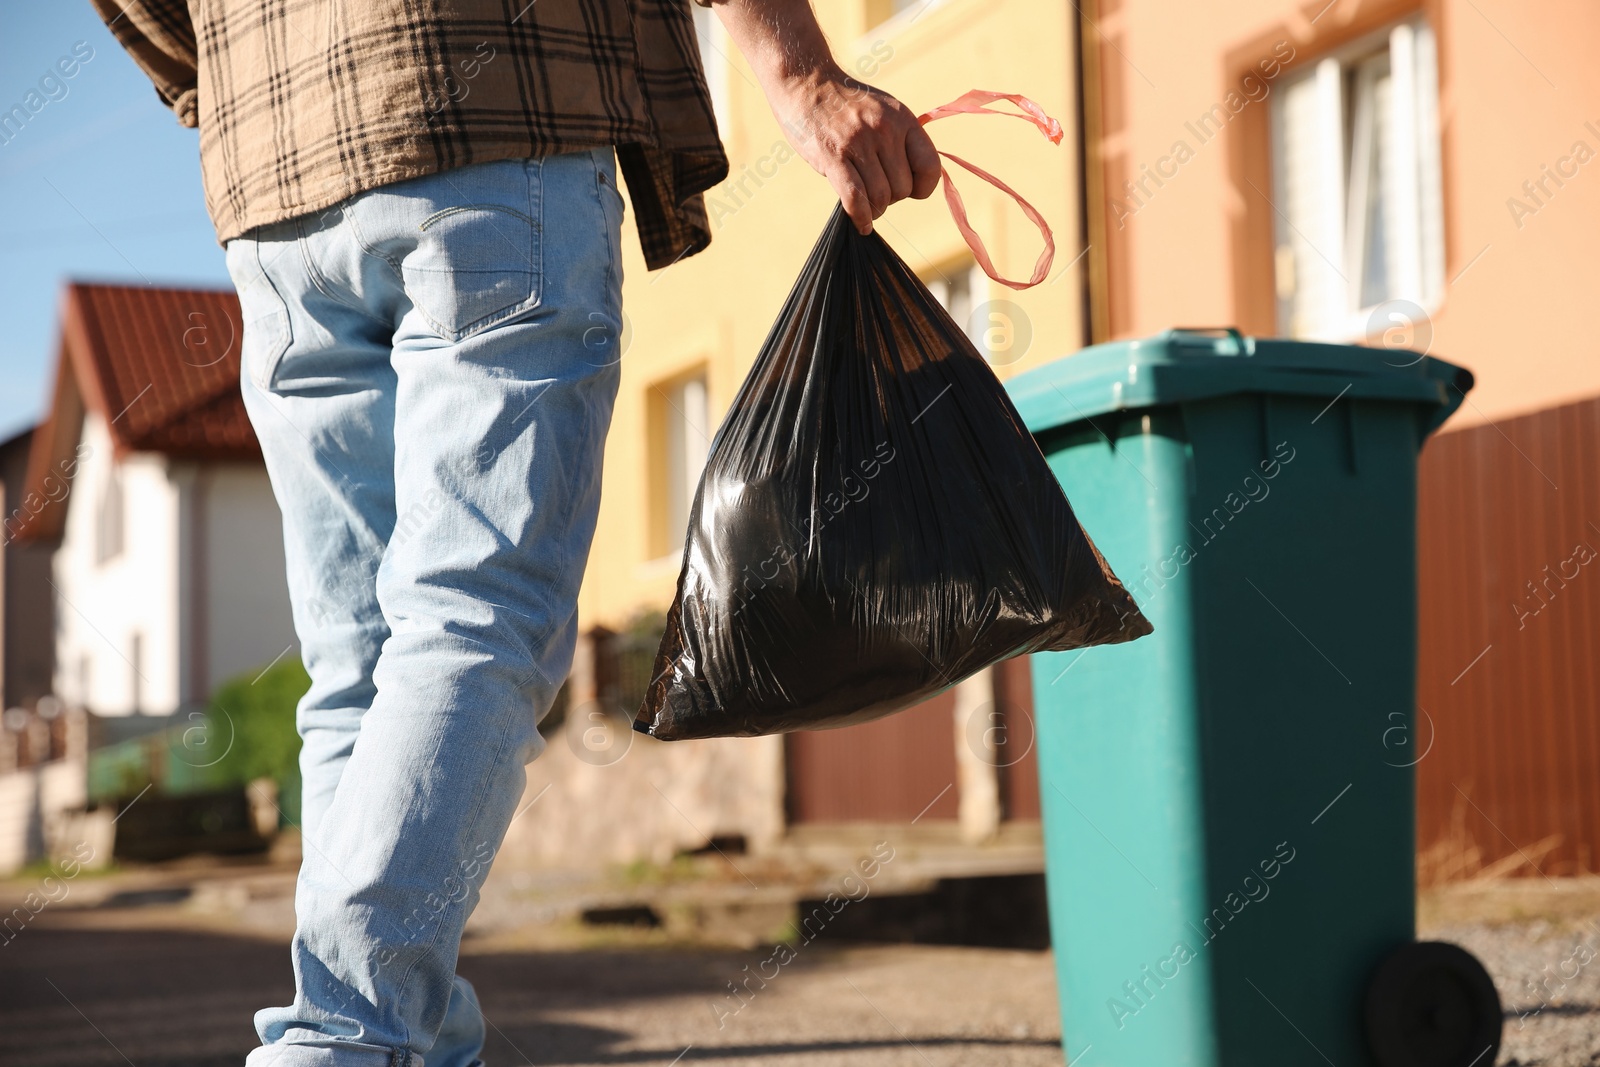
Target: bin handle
1240	348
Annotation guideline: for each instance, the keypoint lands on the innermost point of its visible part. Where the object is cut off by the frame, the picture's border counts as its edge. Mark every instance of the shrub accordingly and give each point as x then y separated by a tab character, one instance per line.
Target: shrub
252	716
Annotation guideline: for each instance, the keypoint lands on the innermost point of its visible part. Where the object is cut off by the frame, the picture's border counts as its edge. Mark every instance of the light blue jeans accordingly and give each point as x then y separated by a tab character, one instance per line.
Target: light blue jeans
430	368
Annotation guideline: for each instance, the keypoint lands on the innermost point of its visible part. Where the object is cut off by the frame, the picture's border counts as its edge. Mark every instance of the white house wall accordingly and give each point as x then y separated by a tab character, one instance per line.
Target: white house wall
248	622
103	605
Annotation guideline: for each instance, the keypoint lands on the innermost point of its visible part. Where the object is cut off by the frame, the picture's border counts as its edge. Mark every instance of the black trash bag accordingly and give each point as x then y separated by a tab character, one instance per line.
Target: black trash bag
874	522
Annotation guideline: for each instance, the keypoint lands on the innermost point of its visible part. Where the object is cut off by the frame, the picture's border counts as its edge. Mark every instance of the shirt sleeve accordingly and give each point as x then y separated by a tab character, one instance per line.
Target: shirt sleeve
159	35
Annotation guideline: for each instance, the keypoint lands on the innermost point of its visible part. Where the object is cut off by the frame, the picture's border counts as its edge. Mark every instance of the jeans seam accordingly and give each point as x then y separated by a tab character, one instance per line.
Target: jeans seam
612	269
349	217
460	208
533	171
317	279
479	801
268	368
613	239
506	314
591	419
366	248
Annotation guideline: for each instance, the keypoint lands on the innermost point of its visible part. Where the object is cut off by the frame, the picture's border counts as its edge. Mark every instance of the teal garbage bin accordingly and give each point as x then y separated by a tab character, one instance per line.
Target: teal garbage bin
1229	803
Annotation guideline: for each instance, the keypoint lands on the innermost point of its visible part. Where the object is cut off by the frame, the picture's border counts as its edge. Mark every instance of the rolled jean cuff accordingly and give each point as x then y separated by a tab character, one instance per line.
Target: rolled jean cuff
340	1054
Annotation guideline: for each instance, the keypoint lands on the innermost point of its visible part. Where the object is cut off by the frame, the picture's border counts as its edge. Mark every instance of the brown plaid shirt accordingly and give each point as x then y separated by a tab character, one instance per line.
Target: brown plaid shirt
303	103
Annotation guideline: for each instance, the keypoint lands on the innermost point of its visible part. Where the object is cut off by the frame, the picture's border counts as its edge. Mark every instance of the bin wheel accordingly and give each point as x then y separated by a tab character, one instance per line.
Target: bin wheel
1432	1004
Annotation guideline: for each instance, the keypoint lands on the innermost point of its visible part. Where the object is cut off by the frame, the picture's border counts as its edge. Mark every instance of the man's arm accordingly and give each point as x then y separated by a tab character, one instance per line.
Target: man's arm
160	38
865	142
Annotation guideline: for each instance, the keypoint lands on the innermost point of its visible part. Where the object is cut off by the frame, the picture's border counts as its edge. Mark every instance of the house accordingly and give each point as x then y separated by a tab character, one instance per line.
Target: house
168	573
27	607
41	749
1397	173
1401	173
142	549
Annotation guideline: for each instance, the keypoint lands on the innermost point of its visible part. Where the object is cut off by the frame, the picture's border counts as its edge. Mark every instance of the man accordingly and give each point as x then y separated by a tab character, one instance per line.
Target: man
420	208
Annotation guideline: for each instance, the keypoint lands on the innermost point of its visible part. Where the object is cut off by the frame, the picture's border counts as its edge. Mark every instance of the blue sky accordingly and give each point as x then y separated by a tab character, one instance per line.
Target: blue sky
101	184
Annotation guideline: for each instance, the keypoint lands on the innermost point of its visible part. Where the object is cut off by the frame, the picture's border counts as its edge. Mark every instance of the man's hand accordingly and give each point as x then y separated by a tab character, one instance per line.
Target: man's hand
867	144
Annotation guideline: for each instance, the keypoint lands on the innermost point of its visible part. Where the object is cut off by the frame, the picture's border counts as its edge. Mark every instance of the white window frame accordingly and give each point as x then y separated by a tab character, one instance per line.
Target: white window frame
963	283
110	520
713	41
901	14
1319	260
687	442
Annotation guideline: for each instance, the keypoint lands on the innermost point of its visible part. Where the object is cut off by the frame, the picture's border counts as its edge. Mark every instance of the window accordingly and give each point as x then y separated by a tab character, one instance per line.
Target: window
713	41
135	676
1357	189
680	437
109	518
879	11
963	291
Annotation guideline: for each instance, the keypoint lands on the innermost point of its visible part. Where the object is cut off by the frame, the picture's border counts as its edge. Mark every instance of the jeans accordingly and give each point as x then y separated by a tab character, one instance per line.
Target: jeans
430	368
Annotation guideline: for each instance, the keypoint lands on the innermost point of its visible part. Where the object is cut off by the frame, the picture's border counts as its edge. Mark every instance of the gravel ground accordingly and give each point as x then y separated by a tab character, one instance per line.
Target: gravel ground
1551	1020
1541	943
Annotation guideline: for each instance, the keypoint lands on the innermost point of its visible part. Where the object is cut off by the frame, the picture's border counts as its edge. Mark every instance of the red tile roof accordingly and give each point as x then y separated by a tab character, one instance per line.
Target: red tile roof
163	367
160	365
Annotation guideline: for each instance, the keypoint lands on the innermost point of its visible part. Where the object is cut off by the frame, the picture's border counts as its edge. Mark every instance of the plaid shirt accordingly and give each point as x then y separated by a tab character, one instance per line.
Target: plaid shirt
303	103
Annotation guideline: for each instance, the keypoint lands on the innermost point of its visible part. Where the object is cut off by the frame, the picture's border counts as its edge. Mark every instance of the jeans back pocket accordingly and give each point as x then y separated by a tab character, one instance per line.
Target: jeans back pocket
477	259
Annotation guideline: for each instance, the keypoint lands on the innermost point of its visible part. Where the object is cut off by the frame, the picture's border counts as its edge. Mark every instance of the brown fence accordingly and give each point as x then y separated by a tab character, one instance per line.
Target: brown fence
904	767
890	770
1508	679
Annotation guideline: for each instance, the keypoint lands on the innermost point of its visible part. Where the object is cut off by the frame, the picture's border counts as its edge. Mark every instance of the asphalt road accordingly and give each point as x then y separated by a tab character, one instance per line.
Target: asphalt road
82	997
134	971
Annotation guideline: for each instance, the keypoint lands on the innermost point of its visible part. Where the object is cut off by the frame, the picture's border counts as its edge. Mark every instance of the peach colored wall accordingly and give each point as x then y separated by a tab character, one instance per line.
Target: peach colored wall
1518	82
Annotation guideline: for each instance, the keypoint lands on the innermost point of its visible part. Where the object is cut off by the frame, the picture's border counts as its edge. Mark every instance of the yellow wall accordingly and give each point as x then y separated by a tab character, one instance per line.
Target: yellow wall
714	309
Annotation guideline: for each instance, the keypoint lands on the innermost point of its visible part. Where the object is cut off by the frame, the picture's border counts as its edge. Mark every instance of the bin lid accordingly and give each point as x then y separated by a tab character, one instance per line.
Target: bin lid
1193	364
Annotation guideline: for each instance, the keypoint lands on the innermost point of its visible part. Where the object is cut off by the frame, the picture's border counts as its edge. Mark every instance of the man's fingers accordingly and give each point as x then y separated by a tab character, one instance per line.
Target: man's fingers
872	152
923	160
896	169
876	183
853	196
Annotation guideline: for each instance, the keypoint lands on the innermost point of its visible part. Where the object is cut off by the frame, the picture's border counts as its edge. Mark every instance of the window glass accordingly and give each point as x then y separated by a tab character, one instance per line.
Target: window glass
1355	153
879	11
962	289
684	438
713	42
109	518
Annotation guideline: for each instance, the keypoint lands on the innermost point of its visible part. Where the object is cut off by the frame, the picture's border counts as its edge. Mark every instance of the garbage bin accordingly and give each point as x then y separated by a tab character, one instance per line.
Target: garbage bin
1229	804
